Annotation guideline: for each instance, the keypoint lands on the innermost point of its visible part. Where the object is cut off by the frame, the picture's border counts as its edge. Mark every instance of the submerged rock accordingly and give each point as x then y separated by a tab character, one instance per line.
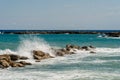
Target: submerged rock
23	58
92	52
25	63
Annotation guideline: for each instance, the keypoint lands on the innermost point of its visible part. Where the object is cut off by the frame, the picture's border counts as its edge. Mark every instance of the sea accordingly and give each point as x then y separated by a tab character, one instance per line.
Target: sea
103	65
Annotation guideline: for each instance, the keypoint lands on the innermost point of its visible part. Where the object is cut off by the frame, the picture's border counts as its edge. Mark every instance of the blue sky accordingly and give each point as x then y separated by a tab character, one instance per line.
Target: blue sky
60	14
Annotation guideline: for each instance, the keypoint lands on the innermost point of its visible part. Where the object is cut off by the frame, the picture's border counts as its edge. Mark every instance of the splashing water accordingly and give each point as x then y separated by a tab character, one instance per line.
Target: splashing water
29	43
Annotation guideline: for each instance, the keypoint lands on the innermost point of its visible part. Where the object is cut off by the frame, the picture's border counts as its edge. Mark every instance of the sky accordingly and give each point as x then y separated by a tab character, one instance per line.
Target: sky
60	14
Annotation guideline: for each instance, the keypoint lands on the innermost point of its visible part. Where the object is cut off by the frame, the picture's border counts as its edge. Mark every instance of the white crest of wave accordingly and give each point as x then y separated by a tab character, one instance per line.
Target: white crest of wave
108	50
30	43
7	51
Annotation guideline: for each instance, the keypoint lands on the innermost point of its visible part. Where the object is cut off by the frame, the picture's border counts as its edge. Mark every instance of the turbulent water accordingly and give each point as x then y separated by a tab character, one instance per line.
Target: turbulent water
104	65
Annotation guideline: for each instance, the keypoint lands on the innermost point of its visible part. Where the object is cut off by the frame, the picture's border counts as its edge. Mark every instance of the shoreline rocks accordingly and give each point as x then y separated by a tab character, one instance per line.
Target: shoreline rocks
12	60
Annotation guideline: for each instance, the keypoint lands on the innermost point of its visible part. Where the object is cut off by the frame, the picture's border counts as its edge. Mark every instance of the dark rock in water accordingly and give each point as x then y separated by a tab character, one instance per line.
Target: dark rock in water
92	52
59	53
25	63
37	60
39	55
23	57
14	57
5	57
69	47
91	47
85	48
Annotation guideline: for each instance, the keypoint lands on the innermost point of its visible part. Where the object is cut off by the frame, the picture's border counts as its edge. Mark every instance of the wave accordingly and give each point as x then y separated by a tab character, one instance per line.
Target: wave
30	43
100	36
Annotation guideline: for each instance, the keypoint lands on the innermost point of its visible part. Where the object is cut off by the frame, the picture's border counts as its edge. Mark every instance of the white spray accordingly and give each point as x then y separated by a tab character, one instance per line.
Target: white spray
30	43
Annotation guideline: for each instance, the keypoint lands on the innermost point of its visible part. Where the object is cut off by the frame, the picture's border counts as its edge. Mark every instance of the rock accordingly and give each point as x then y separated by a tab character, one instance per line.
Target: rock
23	57
59	53
92	52
69	47
4	64
17	64
39	55
25	63
85	48
37	61
5	57
91	47
14	57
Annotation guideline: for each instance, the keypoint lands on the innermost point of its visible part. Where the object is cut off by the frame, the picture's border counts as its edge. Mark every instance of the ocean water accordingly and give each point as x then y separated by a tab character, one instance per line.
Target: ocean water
104	65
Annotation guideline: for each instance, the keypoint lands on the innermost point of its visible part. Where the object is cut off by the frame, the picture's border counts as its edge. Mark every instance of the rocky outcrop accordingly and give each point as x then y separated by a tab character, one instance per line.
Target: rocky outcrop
7	60
12	60
17	57
40	55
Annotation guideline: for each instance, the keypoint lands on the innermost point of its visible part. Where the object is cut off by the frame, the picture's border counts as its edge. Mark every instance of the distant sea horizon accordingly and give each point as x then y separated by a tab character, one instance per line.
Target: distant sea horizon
28	30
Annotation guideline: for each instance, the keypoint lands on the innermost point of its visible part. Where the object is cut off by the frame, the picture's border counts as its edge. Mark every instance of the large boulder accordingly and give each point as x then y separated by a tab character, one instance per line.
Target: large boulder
39	55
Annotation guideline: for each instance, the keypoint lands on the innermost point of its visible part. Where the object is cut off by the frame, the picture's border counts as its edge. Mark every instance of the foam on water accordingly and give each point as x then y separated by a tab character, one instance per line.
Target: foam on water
46	69
27	45
61	75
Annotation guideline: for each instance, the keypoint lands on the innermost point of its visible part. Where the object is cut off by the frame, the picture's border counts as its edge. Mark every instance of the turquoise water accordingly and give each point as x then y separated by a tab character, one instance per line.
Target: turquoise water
104	65
12	41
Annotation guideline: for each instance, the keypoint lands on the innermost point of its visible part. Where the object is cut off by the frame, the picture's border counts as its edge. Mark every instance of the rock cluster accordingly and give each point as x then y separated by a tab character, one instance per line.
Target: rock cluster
40	55
7	60
13	60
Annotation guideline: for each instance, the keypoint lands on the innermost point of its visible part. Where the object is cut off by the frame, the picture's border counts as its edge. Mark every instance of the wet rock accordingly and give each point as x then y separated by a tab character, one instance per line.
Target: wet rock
5	57
59	53
69	47
23	58
85	48
17	64
39	55
4	64
14	57
37	61
25	63
91	47
92	52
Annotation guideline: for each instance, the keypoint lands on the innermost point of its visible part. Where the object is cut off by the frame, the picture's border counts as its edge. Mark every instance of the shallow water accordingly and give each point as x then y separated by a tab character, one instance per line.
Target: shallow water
104	65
